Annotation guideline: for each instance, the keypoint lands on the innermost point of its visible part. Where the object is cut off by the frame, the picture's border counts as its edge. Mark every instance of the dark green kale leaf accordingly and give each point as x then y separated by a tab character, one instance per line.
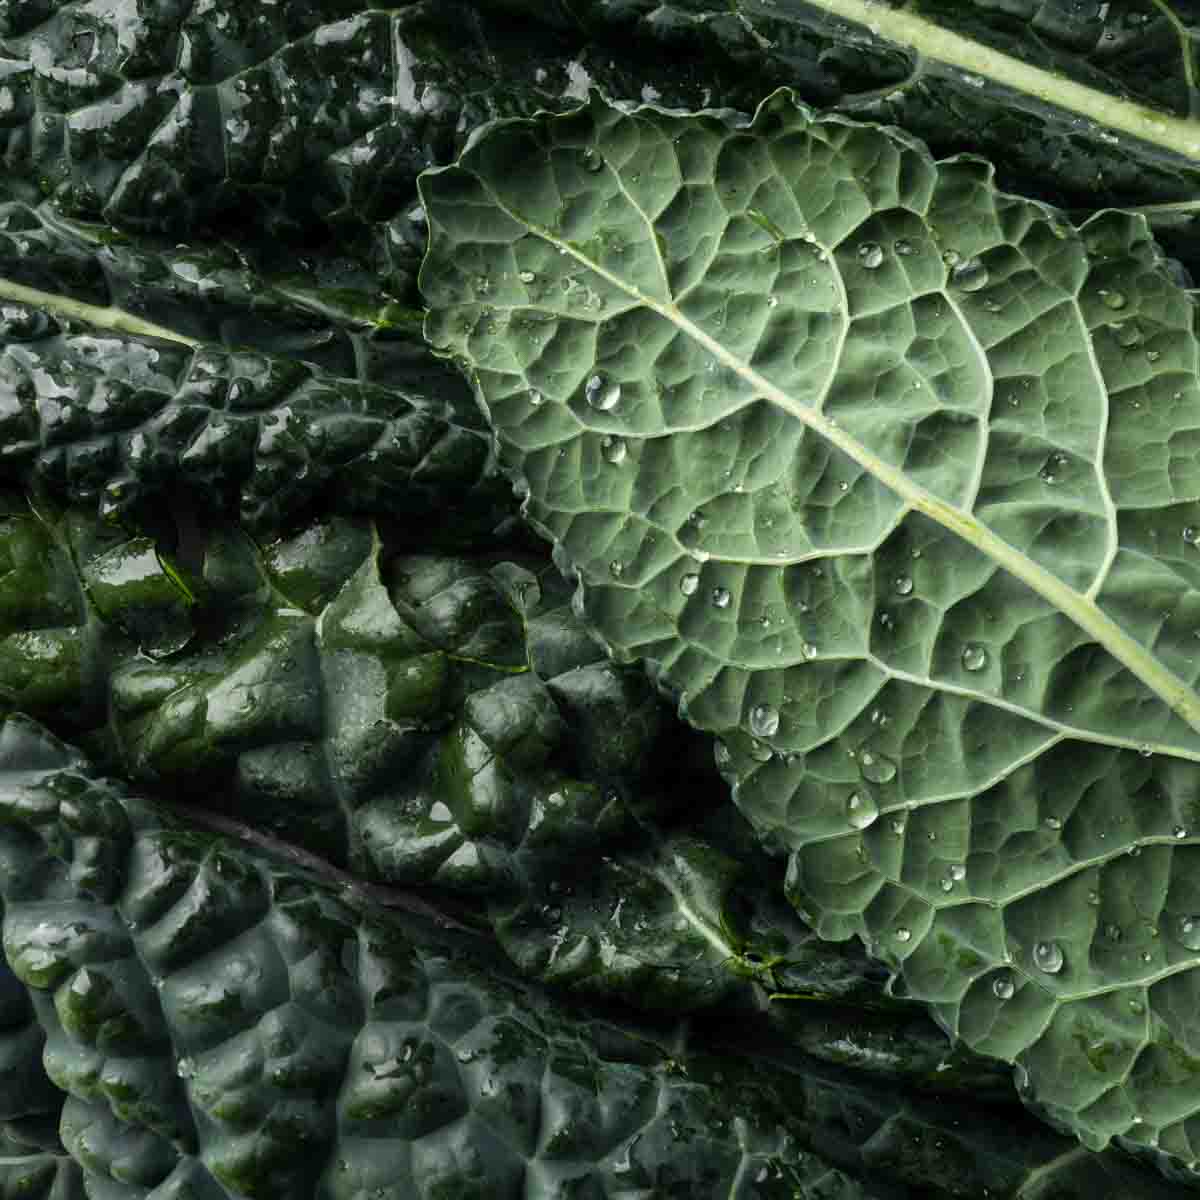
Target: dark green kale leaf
226	1026
126	420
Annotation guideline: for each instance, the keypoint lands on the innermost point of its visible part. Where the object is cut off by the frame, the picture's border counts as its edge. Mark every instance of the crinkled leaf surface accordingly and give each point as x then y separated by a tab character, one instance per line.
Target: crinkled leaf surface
224	1025
891	478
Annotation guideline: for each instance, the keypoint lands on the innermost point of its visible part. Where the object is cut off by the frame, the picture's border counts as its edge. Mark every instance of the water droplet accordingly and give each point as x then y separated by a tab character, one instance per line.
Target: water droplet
876	768
870	254
614	450
904	934
1179	832
903	247
1136	1006
760	751
721	597
1189	931
1093	898
601	392
1191	534
897	825
969	276
764	720
536	398
186	1067
1053	822
1112	932
947	884
951	258
616	568
958	872
773	302
861	810
843	486
1153	355
592	161
689	583
1144	750
1112	299
809	651
903	585
1048	957
1128	334
1003	987
526	276
974	657
1051	468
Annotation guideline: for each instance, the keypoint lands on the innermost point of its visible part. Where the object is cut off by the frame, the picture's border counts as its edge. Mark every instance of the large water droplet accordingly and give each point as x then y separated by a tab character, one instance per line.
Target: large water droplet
601	392
1003	987
974	657
1048	957
903	585
689	583
614	450
760	751
876	768
1112	299
764	720
870	254
958	872
1189	931
721	597
904	934
969	276
861	810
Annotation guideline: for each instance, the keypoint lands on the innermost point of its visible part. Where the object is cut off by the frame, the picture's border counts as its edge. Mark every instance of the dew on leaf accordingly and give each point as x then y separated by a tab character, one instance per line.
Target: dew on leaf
1112	932
904	934
1128	334
1112	299
876	768
809	651
903	585
760	751
969	276
536	398
1191	534
773	302
947	884
721	597
974	657
903	247
1051	467
616	568
526	276
870	254
592	161
1179	832
1053	822
1002	987
689	583
958	872
1048	957
614	450
601	392
764	720
951	258
861	810
1189	931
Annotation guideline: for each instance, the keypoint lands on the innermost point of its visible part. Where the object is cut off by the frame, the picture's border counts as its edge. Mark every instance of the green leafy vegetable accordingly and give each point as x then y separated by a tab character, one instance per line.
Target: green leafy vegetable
888	476
227	1026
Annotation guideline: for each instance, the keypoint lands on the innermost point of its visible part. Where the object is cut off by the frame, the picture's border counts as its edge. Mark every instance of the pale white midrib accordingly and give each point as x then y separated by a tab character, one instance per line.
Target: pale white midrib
77	310
932	41
1103	629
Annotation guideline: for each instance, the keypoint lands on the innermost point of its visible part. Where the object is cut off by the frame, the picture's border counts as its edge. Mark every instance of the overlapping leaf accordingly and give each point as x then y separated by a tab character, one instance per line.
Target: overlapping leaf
891	478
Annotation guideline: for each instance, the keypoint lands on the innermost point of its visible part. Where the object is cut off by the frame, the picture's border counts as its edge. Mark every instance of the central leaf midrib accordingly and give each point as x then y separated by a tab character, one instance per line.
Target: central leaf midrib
1174	692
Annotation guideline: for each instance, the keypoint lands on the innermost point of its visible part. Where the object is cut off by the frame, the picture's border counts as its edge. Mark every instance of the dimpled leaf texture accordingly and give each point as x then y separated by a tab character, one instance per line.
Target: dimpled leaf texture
892	480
